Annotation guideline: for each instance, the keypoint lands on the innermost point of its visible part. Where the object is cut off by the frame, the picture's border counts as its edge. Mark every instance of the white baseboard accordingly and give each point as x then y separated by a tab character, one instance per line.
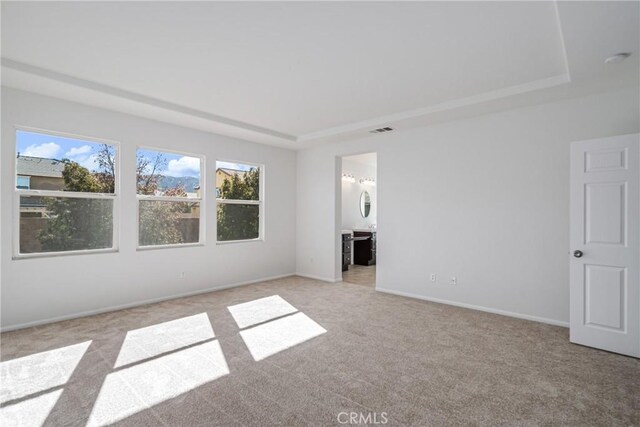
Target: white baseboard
322	279
137	303
477	307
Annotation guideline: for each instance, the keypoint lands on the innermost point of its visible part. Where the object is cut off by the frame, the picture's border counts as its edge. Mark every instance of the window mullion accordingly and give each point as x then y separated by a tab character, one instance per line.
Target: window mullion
169	199
238	202
68	194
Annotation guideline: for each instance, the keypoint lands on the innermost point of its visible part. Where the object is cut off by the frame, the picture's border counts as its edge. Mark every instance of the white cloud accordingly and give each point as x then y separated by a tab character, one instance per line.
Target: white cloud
78	151
184	166
48	150
83	156
89	162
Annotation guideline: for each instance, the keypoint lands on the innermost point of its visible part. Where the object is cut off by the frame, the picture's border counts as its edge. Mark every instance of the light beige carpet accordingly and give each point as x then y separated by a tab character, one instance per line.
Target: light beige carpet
312	353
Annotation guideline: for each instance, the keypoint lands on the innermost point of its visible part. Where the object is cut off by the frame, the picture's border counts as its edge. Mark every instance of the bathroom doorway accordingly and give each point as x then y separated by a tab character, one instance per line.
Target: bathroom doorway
359	219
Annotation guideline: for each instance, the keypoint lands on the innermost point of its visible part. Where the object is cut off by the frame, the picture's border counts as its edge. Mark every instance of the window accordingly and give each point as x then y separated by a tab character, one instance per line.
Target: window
238	187
65	193
169	198
23	182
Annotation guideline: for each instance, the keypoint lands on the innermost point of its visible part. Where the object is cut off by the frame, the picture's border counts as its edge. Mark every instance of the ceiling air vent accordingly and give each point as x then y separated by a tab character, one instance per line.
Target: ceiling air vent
381	130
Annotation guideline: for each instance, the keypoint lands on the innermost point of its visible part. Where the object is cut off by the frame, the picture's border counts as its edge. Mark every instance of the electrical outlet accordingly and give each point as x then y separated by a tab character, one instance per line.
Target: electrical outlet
433	277
182	274
454	280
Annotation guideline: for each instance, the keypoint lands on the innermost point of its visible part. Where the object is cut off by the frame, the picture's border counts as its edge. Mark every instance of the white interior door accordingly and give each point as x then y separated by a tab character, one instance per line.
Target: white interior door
605	244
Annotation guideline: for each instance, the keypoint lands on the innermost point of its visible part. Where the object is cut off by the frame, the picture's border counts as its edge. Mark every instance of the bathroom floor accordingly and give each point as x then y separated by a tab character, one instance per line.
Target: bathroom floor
360	275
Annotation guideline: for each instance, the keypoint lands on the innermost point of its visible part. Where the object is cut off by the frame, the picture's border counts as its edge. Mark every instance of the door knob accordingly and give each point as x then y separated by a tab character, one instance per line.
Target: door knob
577	254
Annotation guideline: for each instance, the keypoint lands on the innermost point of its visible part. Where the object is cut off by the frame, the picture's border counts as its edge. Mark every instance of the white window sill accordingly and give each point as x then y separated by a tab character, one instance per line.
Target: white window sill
64	253
172	246
231	242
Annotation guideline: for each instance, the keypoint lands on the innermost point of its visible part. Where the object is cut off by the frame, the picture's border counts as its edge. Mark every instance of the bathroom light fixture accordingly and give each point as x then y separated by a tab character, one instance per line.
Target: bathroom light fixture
368	181
619	57
347	177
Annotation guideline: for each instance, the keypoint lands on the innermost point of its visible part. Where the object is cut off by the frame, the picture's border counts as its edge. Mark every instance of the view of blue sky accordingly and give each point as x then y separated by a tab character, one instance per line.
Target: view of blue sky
57	147
176	165
85	153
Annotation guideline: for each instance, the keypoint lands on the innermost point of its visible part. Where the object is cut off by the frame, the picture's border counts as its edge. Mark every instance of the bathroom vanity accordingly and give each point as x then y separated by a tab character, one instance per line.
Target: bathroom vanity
347	239
359	243
364	247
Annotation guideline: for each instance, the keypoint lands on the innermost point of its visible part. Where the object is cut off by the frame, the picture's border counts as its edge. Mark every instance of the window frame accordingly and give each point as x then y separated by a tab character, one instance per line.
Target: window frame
18	192
259	202
201	200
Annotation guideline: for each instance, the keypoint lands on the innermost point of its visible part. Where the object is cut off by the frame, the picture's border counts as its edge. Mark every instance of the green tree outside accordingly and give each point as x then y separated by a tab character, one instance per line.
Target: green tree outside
160	221
239	221
81	223
77	223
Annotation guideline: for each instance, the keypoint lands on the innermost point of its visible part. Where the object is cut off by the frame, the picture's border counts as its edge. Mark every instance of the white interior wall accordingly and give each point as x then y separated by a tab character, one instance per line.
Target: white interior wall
351	191
492	209
40	289
484	199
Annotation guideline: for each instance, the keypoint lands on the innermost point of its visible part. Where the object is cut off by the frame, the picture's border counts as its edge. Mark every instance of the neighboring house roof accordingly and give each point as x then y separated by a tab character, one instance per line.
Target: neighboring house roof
231	172
37	166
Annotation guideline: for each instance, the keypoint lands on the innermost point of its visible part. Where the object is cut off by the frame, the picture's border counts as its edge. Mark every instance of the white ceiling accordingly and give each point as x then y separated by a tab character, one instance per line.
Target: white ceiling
293	74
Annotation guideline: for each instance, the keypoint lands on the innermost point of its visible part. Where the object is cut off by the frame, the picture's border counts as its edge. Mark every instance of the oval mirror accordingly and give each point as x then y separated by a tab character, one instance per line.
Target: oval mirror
365	204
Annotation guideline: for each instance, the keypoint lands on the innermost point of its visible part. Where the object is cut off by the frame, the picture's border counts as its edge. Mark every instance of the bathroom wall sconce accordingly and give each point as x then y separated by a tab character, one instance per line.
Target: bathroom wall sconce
347	177
368	181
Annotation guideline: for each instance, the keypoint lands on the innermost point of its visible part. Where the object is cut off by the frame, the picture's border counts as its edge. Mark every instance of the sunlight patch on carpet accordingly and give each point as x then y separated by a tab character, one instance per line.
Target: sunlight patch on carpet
139	387
260	310
29	412
273	337
143	343
39	372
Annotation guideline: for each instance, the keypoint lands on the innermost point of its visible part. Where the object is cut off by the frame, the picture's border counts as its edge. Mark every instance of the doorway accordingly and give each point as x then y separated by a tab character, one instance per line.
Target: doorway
359	198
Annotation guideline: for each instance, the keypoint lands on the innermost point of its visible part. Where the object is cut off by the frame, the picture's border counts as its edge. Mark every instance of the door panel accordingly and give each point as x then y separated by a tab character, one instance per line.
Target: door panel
605	297
606	160
605	229
605	213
